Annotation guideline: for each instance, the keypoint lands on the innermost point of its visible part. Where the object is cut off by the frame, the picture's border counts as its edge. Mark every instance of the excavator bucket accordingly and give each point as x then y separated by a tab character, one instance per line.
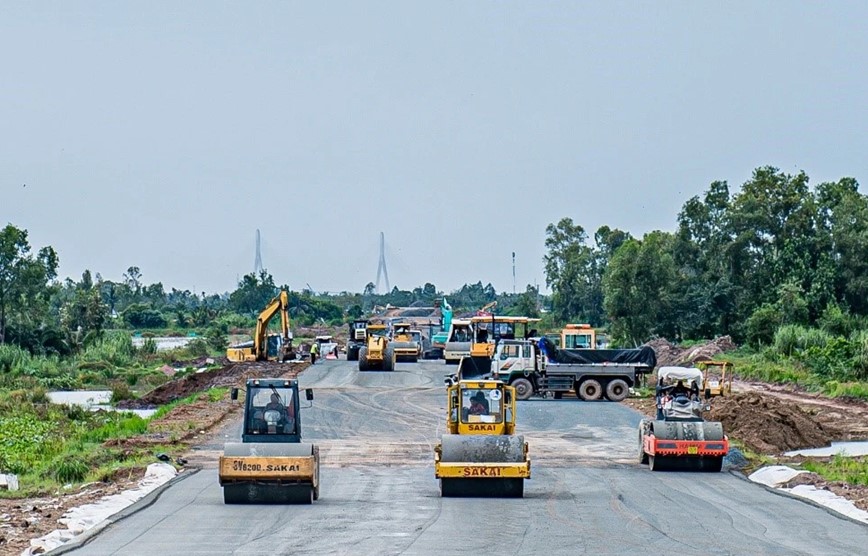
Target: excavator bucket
269	473
482	466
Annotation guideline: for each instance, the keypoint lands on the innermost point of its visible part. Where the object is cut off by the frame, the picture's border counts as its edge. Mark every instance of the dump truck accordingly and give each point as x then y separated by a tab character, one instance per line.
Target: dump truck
405	346
377	353
481	455
271	464
537	367
680	438
265	346
356	339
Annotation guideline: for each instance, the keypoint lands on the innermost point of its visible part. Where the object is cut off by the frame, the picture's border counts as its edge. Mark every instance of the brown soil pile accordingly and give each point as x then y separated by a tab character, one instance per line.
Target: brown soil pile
669	354
768	425
233	374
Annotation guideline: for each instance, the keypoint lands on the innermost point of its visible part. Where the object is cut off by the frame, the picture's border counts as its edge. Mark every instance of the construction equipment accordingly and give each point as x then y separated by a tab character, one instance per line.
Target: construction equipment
578	336
537	367
328	348
406	347
356	339
377	353
488	332
439	339
271	464
679	438
716	378
265	346
480	455
458	344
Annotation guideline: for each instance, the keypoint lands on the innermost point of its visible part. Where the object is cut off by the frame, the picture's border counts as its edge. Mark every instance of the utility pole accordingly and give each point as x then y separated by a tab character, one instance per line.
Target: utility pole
513	273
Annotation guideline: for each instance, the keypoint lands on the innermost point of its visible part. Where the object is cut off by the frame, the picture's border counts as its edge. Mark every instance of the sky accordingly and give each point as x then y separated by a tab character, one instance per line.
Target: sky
164	134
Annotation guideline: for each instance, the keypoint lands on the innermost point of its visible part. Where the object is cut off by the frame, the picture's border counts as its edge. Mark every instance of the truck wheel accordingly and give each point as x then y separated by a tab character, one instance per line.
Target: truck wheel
363	359
352	354
523	388
617	390
590	390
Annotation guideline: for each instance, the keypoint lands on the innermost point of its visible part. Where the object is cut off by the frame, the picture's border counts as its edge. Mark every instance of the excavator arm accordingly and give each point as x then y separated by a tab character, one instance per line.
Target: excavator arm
260	338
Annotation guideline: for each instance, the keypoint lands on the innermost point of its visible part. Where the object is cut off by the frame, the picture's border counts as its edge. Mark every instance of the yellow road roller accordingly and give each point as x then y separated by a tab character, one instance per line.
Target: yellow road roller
271	465
481	456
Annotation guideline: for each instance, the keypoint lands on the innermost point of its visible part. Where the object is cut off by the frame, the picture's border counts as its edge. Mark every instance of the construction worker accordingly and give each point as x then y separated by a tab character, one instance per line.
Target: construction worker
314	351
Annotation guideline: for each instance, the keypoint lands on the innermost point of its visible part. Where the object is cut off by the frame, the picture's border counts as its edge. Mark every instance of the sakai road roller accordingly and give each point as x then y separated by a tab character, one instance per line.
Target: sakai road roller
271	465
680	438
377	353
481	455
405	346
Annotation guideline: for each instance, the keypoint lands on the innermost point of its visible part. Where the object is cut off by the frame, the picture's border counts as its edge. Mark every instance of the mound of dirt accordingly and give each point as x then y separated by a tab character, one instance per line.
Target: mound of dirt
768	425
233	374
669	354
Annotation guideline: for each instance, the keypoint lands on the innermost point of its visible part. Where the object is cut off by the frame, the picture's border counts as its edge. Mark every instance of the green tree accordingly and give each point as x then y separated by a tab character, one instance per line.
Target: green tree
570	272
24	278
639	286
253	293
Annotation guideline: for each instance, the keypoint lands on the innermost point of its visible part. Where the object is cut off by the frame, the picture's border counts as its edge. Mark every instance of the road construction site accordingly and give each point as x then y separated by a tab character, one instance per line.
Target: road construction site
376	432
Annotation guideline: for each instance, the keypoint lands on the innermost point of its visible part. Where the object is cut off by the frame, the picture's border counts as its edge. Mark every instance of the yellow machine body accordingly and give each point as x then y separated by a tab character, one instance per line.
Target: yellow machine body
265	346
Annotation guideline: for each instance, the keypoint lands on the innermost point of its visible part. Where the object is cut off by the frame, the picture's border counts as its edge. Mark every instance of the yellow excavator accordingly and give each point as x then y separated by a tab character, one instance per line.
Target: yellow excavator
481	455
265	346
377	353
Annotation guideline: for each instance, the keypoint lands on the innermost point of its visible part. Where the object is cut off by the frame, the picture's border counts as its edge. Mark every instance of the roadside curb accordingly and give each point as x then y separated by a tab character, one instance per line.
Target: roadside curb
140	504
786	494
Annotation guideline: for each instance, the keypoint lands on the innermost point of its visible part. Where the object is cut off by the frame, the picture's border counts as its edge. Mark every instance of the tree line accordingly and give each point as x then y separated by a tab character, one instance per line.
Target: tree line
777	252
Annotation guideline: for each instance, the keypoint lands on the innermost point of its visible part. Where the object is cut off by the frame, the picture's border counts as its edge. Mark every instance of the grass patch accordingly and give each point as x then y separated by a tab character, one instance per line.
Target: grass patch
212	395
851	470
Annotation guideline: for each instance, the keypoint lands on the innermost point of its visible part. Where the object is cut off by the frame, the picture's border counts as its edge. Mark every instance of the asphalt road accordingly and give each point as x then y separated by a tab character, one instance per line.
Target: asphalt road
376	433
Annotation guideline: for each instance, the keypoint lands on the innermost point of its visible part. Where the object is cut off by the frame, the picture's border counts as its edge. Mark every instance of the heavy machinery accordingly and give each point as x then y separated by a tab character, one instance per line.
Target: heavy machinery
458	343
578	336
679	438
481	455
356	339
271	464
439	339
537	367
265	346
406	347
716	378
328	348
377	353
488	332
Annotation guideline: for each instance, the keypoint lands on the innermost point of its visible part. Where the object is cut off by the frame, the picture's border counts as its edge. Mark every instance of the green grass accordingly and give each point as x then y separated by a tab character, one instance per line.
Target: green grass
850	470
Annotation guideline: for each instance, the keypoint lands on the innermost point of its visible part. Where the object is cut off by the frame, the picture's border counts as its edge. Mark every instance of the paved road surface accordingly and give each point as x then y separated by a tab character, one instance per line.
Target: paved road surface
376	432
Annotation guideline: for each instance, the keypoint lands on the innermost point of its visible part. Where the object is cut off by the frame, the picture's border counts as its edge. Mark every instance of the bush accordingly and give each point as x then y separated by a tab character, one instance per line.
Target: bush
197	348
216	339
121	391
69	469
761	325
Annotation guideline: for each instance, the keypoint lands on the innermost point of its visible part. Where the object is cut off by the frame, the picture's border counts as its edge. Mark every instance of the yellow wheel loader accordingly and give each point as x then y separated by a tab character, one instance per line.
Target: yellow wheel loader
271	465
481	455
406	347
265	346
377	353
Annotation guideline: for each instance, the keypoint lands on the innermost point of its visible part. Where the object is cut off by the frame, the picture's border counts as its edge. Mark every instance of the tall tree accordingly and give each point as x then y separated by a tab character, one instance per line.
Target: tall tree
571	272
23	277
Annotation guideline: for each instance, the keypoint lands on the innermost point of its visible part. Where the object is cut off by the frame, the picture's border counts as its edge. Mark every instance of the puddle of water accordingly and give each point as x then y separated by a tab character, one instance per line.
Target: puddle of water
850	449
93	400
165	343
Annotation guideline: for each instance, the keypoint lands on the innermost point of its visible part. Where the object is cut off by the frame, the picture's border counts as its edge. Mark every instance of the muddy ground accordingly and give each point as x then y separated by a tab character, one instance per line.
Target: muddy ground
171	434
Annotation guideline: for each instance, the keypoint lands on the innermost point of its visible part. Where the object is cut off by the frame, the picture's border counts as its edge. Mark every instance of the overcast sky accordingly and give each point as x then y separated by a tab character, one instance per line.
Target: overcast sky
162	135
